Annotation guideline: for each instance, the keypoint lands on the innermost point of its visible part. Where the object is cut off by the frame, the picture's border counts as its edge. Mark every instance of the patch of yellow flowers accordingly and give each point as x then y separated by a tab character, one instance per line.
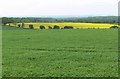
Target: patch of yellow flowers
61	25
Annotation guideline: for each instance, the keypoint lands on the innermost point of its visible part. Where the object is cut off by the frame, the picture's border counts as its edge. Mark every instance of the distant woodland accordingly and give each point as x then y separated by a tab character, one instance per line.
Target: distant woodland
98	19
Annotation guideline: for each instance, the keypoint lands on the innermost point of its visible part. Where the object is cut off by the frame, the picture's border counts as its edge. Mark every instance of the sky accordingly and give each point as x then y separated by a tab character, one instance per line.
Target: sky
38	8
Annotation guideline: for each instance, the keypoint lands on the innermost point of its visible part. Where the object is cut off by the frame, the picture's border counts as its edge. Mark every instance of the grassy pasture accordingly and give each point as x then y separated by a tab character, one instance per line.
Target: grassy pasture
60	53
75	25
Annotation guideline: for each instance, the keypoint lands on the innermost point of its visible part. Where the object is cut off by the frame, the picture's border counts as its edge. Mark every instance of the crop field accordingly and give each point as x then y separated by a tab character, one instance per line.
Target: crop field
75	25
60	53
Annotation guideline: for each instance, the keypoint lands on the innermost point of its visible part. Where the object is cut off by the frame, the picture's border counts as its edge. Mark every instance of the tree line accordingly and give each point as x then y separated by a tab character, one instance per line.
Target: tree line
49	27
100	19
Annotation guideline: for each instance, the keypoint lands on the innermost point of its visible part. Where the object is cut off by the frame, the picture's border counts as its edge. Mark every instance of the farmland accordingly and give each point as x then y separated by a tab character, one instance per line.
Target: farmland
61	25
60	53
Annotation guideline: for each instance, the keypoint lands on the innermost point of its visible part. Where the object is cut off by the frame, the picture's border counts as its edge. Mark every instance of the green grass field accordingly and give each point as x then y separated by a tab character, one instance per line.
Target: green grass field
60	53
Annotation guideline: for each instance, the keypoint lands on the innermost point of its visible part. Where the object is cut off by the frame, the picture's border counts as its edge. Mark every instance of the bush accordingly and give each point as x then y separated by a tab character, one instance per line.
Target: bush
31	26
114	27
49	27
68	27
18	25
42	27
56	27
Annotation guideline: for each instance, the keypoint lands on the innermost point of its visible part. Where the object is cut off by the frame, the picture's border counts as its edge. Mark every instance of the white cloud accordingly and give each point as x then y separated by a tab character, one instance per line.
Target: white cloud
58	7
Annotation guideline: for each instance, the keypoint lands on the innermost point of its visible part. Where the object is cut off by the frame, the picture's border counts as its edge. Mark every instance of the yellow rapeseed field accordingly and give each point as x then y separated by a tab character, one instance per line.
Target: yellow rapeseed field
61	25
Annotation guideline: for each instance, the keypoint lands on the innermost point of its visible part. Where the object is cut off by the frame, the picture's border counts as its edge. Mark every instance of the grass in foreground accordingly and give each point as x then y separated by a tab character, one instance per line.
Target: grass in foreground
60	53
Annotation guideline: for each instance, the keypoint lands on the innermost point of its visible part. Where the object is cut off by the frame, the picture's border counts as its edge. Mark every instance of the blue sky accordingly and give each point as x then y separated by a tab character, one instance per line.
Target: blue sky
36	8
